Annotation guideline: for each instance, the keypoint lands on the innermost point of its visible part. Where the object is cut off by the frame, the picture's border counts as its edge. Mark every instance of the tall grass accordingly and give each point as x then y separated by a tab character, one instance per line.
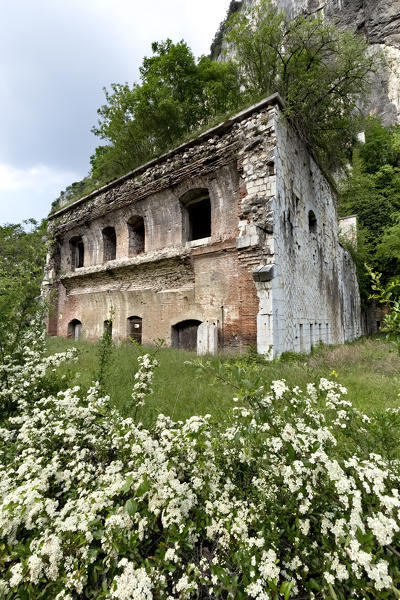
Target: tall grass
369	368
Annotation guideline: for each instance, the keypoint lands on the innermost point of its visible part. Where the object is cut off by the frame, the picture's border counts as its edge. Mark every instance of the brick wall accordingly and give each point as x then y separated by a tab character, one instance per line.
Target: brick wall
261	183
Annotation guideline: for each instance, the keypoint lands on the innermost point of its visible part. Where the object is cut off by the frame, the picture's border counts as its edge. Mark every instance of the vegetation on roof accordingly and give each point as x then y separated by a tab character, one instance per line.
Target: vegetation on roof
320	71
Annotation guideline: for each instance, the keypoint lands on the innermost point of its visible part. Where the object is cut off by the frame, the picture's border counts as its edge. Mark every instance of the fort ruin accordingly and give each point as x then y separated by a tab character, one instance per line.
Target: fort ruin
228	241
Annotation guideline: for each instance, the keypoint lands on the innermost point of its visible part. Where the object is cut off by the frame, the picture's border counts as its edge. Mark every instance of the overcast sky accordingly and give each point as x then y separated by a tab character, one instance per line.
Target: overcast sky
55	58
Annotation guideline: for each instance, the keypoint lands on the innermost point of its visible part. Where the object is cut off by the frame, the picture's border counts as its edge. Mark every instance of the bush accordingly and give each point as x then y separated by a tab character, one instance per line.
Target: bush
279	502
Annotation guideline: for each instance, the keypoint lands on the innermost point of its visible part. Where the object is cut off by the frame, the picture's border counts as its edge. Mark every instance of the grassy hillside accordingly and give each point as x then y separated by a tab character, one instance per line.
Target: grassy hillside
368	368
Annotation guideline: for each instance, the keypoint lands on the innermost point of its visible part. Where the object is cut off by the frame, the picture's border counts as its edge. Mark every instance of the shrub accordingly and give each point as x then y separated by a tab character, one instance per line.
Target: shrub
266	505
389	296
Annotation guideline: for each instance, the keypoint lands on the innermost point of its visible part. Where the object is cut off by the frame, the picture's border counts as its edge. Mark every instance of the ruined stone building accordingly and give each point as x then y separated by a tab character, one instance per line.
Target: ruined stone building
227	241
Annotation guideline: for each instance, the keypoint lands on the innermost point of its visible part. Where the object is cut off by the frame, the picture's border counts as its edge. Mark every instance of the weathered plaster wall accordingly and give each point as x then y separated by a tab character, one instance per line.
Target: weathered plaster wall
315	294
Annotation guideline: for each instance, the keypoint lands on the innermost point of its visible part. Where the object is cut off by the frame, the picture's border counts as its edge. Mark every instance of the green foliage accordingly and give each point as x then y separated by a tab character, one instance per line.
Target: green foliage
290	497
76	190
372	191
321	72
389	247
104	352
368	368
176	95
22	256
389	296
381	147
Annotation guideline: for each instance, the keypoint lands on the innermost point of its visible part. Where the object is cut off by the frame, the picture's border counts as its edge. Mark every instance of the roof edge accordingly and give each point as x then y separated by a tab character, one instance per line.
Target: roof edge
221	128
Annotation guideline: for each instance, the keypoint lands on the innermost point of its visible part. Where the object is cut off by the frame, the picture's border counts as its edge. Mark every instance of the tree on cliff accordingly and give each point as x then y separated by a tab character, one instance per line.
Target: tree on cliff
321	72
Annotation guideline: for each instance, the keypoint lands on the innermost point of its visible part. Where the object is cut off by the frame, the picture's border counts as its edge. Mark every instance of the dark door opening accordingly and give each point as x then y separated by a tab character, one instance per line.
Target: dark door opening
135	329
184	335
199	219
109	244
77	253
136	236
74	329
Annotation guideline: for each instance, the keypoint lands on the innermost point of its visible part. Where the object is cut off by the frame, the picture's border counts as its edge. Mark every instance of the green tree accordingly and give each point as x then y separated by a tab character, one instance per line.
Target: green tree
22	256
176	96
372	191
381	147
389	295
388	249
321	72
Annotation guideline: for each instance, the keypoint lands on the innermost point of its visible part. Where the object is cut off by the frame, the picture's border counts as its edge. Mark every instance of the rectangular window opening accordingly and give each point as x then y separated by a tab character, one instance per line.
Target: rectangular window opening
199	219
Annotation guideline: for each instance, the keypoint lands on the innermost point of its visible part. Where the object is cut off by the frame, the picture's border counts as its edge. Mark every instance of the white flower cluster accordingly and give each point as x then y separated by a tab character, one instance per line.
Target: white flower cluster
96	506
143	379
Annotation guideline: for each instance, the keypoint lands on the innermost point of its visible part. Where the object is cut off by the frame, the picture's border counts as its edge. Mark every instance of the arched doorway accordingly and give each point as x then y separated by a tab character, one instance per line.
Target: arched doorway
184	335
135	329
74	329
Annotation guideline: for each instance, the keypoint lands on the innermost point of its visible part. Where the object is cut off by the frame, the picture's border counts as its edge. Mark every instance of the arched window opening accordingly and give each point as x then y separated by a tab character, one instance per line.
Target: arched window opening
136	235
109	244
107	328
74	329
77	252
312	222
135	329
184	335
196	211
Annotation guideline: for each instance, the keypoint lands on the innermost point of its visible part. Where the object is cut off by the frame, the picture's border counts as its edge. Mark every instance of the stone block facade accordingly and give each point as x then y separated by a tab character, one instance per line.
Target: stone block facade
236	229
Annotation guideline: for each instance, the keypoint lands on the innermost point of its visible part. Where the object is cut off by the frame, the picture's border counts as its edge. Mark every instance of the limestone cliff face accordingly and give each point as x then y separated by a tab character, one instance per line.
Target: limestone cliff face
379	21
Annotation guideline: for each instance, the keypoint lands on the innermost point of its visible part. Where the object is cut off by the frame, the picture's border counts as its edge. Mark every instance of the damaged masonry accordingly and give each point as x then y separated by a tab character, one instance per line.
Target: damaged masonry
226	242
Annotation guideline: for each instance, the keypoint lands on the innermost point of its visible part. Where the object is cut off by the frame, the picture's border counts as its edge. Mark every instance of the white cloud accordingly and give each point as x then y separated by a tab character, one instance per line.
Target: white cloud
39	177
55	58
28	192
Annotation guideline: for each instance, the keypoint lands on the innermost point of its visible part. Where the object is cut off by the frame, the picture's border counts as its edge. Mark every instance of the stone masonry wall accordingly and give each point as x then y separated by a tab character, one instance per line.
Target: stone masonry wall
173	280
260	277
315	296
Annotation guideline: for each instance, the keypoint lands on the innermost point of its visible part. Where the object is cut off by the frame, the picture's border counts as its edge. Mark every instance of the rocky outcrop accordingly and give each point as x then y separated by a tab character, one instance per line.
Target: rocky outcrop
379	21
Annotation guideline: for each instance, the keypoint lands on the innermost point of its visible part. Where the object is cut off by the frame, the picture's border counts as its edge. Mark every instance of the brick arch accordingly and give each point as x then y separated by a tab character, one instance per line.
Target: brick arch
74	329
184	334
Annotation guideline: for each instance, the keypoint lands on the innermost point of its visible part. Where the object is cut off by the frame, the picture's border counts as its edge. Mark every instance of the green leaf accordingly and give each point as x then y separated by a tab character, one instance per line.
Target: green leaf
286	588
131	507
143	487
128	484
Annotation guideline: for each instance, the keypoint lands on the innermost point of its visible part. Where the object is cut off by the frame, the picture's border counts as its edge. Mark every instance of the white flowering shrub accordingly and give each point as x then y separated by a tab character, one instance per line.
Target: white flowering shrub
264	506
